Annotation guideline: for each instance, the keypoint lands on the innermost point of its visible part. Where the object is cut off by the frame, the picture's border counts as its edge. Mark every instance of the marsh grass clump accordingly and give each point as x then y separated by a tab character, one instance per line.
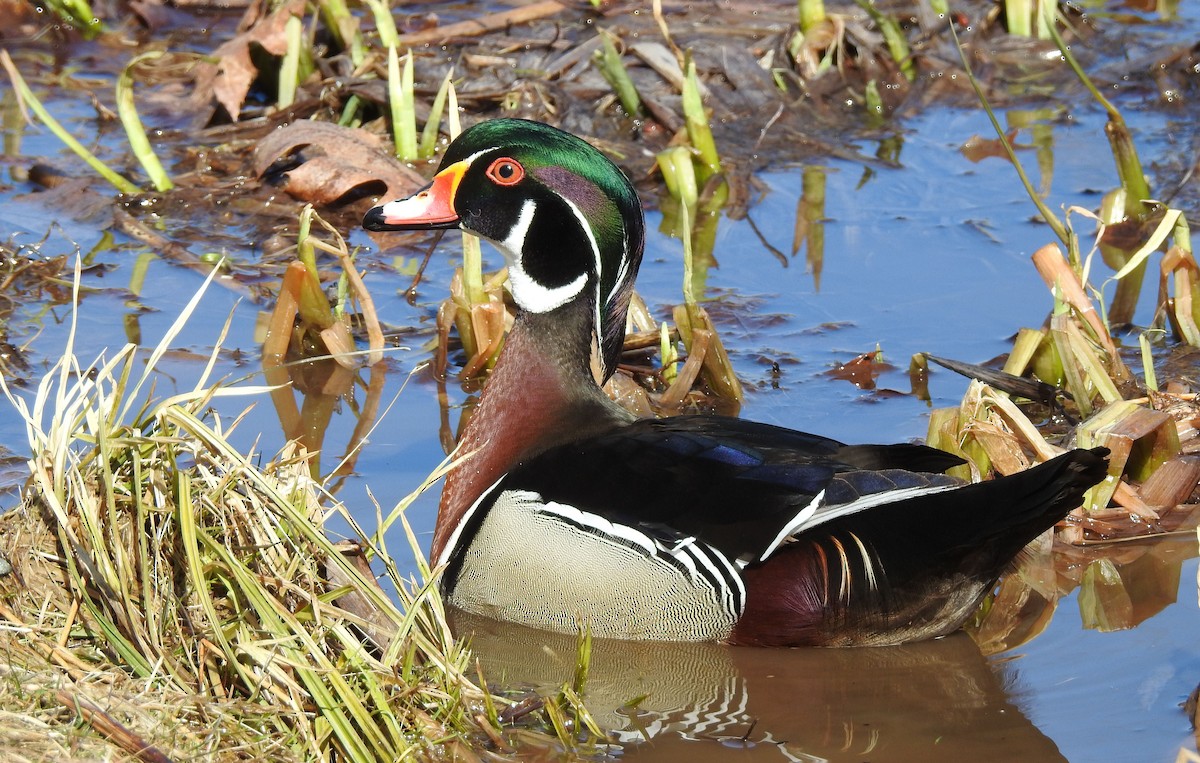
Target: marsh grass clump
1153	472
170	596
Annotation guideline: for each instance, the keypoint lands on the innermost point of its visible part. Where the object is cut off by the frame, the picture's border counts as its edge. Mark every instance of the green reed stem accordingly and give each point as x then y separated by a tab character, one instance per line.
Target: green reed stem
135	130
404	115
121	183
429	134
385	25
812	12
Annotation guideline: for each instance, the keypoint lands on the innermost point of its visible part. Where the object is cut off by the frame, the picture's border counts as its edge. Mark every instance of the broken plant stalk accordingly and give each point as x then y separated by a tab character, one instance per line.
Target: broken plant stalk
608	60
893	37
344	27
693	321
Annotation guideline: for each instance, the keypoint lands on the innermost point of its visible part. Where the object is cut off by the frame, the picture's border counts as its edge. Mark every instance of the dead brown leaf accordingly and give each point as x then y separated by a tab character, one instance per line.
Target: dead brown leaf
336	161
229	79
978	148
861	371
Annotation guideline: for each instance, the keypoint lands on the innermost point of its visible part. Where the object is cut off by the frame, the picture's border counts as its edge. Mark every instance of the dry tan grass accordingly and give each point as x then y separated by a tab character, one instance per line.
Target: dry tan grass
170	599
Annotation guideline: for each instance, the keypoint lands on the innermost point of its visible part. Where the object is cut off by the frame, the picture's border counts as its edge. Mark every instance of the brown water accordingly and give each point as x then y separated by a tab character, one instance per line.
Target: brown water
932	256
934	701
1067	695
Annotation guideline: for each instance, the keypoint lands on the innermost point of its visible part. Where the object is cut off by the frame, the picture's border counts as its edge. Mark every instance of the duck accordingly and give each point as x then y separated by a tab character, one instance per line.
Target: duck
568	512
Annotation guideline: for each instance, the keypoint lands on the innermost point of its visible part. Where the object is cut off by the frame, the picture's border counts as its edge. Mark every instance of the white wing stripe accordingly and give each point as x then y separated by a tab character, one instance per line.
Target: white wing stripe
791	527
702	563
829	513
809	517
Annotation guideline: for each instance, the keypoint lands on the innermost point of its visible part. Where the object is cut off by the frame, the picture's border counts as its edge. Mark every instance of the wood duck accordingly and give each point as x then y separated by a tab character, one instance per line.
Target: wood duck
569	512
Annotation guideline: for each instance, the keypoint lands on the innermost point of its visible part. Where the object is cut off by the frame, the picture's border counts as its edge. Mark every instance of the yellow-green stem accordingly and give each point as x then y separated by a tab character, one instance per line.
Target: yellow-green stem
289	67
613	69
136	132
429	134
121	183
893	36
812	12
385	25
698	130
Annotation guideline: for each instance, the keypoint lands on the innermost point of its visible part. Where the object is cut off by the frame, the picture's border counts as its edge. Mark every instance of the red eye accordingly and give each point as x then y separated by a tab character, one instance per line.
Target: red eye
505	171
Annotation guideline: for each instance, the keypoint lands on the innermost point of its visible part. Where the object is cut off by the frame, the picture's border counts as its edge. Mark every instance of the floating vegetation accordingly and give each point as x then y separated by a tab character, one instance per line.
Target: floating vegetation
1148	432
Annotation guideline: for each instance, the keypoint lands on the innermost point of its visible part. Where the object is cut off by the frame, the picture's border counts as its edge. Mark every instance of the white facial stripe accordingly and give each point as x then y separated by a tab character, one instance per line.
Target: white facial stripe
587	228
622	272
514	242
470	159
528	293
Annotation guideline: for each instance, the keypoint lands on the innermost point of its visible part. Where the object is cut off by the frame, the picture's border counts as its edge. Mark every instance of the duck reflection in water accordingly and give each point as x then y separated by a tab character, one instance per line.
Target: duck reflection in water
931	701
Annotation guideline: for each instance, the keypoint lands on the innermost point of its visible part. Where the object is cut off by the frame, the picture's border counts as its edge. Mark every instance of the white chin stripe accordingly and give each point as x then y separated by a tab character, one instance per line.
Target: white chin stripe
528	293
535	298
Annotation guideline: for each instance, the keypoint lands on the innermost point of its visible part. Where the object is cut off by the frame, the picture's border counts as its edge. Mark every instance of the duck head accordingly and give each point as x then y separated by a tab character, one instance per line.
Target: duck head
564	216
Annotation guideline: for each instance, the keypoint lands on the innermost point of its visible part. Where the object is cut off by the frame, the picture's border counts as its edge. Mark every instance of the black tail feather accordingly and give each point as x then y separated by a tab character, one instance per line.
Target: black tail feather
977	529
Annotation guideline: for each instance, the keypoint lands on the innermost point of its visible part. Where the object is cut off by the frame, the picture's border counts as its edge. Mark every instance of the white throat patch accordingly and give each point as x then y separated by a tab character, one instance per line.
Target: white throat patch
528	293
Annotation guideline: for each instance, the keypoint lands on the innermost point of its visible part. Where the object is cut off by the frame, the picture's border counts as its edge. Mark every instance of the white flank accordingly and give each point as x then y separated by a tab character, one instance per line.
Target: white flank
688	552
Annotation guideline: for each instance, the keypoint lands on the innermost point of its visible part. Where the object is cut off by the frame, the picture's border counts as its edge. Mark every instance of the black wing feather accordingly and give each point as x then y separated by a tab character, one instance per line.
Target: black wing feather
730	483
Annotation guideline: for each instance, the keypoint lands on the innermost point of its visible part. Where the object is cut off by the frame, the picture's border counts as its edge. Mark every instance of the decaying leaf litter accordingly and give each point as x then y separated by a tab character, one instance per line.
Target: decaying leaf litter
241	160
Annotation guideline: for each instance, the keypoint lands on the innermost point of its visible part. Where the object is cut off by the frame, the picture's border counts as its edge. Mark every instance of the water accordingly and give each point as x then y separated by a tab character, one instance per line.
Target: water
933	257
